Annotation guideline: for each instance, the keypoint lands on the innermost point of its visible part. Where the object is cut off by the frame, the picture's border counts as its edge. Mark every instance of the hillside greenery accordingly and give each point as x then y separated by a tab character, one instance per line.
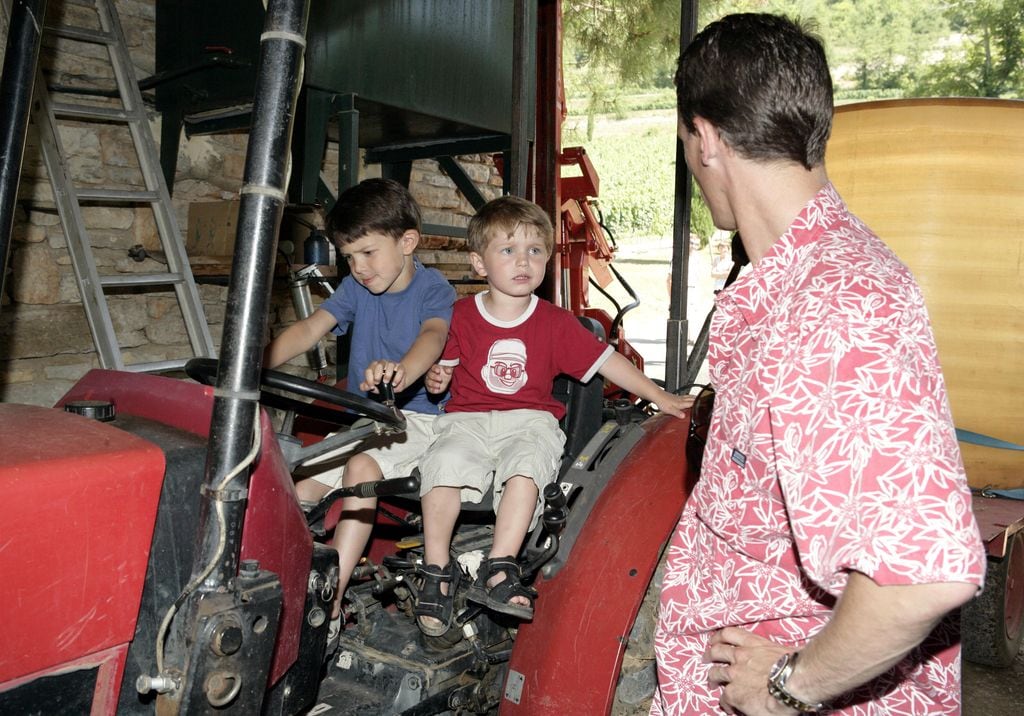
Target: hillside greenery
620	55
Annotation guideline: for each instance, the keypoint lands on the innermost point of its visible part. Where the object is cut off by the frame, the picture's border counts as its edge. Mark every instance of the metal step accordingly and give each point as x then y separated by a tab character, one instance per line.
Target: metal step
82	34
134	196
88	113
141	279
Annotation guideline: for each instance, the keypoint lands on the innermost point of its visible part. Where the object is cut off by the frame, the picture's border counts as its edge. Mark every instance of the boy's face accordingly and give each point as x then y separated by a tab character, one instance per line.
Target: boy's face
514	264
381	263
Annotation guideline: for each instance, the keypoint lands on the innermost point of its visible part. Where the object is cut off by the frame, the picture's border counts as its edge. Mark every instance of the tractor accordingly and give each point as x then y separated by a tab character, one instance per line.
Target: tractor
186	577
154	554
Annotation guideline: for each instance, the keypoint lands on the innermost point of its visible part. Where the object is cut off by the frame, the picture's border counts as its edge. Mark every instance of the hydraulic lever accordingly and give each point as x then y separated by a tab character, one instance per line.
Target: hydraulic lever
377	488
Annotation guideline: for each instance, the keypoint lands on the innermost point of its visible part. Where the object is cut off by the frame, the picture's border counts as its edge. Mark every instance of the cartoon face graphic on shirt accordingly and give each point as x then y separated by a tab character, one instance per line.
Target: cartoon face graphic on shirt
505	369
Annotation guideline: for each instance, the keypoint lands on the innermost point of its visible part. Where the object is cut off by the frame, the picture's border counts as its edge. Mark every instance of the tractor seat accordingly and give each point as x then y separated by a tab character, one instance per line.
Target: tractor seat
583	417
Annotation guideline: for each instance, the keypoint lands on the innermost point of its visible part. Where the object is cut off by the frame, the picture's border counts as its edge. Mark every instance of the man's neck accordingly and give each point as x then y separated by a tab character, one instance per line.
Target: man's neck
772	197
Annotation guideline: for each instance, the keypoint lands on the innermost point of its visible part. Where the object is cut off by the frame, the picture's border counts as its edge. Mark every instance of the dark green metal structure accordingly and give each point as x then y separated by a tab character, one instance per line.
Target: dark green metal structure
400	79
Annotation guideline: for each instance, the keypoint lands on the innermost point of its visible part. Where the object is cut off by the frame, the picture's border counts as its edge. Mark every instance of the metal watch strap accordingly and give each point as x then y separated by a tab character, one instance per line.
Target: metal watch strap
777	679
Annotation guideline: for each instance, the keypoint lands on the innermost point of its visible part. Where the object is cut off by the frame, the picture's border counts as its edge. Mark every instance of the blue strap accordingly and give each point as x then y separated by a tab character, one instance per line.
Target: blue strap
966	436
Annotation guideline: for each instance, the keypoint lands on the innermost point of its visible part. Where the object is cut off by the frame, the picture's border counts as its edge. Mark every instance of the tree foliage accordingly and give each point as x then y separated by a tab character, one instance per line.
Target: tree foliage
988	60
876	47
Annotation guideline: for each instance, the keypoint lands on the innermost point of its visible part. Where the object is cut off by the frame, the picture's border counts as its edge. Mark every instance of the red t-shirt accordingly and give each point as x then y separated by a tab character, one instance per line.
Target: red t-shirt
511	365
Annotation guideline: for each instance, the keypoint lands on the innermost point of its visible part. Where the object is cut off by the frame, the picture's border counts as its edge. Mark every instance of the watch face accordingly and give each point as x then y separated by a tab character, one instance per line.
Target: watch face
778	666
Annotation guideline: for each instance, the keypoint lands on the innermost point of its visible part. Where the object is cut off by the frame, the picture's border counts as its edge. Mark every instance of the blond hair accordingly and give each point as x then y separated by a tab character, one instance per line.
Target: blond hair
506	214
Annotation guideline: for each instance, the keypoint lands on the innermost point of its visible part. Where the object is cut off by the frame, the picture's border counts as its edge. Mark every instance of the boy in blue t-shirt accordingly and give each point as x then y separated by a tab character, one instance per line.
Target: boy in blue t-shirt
398	313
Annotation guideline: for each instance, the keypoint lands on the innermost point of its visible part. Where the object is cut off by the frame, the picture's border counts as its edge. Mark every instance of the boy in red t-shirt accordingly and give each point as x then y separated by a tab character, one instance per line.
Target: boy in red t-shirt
500	427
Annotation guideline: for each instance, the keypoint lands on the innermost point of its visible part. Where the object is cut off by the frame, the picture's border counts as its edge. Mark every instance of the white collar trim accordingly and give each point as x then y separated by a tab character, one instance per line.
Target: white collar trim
518	321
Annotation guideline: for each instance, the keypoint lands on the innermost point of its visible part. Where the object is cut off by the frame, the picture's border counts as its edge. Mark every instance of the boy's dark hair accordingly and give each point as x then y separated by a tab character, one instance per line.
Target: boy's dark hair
507	213
373	205
764	82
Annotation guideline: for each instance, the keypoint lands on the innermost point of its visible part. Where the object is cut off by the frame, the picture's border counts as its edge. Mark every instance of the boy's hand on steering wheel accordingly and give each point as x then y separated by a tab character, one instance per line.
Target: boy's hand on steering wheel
383	371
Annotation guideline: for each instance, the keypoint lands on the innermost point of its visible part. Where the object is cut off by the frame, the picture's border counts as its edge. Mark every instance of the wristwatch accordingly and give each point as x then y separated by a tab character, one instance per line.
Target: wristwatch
777	679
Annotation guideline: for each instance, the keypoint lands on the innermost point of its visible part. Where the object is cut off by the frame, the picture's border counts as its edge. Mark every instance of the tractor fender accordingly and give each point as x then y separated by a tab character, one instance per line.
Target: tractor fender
567	660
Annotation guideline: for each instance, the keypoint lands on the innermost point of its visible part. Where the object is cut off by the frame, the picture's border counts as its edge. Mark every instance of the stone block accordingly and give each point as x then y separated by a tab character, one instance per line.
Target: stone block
41	331
128	313
168	331
108	217
36	276
67	368
144	229
479	173
436	197
116	147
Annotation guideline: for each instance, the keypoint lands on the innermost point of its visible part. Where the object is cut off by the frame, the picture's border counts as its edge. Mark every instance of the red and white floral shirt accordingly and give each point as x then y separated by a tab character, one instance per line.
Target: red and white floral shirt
831	449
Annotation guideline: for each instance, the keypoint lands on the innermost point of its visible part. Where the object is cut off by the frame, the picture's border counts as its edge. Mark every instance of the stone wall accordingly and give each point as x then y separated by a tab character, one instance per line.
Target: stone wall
45	342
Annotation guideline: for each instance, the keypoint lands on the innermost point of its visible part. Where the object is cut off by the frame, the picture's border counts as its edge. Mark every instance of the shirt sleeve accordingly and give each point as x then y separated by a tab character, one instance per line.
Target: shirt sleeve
437	298
868	461
452	351
342	305
579	353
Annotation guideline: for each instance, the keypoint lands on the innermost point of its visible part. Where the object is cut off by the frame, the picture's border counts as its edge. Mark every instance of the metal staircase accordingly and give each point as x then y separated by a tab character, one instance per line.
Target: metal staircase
122	108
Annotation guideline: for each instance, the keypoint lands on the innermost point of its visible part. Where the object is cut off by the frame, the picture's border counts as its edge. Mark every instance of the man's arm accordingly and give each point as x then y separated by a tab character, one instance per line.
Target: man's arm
872	628
422	354
626	375
298	338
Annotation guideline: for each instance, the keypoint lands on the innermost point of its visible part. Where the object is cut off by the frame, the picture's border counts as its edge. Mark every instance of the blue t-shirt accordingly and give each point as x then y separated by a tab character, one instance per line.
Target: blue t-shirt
385	326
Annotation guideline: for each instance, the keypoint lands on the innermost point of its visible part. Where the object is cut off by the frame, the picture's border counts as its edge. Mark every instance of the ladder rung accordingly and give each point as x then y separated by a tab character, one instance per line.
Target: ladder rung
141	279
82	34
133	195
158	366
84	111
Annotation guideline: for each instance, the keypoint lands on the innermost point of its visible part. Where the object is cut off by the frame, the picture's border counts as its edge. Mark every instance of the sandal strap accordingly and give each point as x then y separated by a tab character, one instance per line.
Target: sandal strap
510	587
434	573
509	565
431	601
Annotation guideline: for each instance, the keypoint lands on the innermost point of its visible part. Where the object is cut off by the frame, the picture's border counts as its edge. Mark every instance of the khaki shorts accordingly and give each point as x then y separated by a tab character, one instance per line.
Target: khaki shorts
478	451
396	455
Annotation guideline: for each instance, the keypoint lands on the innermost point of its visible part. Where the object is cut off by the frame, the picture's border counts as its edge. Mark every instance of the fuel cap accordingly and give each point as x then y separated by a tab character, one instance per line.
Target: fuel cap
102	410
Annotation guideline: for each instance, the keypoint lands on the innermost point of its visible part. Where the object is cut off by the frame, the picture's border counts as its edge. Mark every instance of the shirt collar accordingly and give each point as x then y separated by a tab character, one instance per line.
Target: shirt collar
752	294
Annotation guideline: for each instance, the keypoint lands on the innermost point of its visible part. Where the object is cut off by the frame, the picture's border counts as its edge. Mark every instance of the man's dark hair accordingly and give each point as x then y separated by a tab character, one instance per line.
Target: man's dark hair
763	81
373	205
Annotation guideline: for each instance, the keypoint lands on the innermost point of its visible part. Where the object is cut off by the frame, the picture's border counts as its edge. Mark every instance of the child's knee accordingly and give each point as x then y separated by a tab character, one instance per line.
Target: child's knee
309	490
361	468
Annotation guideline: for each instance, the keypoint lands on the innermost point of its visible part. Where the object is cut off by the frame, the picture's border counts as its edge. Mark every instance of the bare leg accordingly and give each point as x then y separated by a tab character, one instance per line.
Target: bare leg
310	490
441	507
356	523
518	502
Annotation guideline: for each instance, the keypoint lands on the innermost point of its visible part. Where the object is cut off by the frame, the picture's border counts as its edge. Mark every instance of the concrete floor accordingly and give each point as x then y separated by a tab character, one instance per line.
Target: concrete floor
994	692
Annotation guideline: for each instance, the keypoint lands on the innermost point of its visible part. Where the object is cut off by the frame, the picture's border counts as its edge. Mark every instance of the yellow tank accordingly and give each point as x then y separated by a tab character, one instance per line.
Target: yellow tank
942	182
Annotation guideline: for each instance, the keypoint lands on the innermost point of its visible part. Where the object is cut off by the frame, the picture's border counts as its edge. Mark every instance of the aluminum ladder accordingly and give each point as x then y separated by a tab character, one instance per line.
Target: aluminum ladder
151	190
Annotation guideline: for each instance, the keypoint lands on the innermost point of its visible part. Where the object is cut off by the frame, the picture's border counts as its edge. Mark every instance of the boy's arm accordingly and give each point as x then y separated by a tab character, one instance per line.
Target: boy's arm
625	375
422	354
298	338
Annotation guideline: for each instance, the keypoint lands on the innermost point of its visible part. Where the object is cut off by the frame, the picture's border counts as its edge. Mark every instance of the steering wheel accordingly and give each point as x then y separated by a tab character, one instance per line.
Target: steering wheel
204	370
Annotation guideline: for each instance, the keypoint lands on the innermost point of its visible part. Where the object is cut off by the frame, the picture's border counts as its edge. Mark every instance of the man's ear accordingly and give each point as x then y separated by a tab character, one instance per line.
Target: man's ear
408	241
710	139
477	262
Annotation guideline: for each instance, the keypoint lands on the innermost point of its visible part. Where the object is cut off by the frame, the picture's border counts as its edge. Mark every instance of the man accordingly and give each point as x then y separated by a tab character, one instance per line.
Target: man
831	532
